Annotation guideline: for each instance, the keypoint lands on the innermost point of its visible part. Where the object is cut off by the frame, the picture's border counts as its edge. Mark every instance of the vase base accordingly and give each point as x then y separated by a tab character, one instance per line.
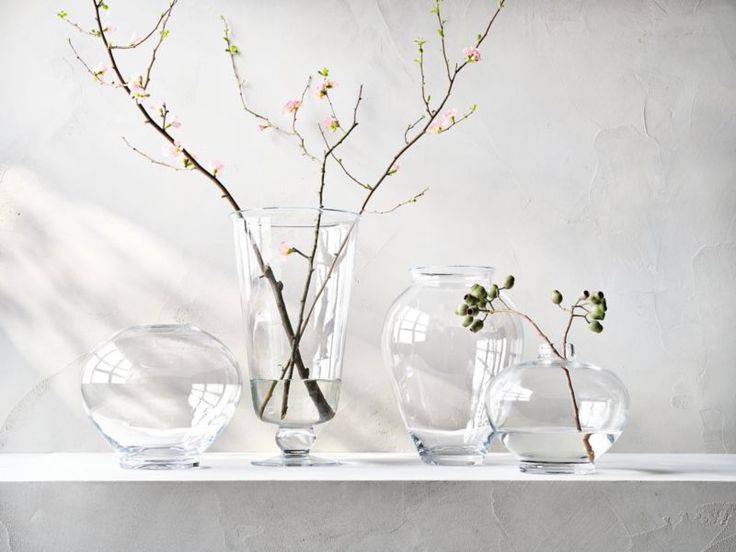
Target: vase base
564	468
147	462
451	459
287	461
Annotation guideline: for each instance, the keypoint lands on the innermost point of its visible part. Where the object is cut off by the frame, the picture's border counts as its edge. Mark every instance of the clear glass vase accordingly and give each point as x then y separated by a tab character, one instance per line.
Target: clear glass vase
160	394
440	369
296	274
557	415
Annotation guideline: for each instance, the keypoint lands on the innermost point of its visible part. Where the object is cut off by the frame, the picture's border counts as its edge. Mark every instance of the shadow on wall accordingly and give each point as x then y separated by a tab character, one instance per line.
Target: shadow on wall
72	274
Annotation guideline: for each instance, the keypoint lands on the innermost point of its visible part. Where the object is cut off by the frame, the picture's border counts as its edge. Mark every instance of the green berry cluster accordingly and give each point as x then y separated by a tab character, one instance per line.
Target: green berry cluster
478	304
590	306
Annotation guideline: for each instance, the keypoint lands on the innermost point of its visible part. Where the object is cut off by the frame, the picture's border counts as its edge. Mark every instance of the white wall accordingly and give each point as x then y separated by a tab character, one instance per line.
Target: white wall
603	155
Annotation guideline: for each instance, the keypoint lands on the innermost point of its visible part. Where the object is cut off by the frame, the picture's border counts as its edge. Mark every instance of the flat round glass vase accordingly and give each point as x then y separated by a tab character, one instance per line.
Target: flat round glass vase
160	394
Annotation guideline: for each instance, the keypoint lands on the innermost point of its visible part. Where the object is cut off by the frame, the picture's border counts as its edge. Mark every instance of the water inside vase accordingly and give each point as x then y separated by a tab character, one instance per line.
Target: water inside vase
563	444
268	400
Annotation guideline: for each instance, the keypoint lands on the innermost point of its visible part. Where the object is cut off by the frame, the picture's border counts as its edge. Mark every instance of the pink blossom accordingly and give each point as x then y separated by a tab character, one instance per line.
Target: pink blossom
217	166
292	106
394	169
99	71
172	150
441	124
159	107
324	86
109	28
472	55
331	123
137	92
435	127
133	39
173	122
263	126
285	249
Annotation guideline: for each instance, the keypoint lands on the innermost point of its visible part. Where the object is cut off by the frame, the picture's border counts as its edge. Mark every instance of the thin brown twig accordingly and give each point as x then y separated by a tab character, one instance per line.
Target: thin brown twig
139	42
86	66
78	27
441	32
409	128
267	122
153	160
340	162
163	33
432	117
412	199
425	98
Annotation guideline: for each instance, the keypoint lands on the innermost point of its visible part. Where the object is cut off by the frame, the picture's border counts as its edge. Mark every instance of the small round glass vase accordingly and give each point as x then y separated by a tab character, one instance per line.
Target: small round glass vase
558	416
160	394
441	370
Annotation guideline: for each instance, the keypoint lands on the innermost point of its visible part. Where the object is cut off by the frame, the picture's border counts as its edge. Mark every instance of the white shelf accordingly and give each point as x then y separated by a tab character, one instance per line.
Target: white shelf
83	467
371	503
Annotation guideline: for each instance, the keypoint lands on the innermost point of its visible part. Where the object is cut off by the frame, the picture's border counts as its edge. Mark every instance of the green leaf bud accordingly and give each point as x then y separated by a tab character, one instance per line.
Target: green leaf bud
595	326
493	291
476	326
462	310
508	282
604	305
556	297
595	299
467	321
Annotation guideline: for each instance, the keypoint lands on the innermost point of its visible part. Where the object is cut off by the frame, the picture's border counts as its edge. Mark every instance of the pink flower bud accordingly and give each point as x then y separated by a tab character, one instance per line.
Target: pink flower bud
285	249
217	166
472	55
292	106
331	123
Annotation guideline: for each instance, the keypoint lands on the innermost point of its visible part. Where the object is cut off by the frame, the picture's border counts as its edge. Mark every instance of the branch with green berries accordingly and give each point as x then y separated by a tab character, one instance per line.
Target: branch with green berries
482	302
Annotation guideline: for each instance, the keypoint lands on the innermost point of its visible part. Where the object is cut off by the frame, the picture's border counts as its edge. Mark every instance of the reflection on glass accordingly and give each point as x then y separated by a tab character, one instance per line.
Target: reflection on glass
160	394
441	370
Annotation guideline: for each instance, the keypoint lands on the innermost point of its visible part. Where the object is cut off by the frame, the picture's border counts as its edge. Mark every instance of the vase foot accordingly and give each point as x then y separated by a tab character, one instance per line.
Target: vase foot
295	460
563	468
158	459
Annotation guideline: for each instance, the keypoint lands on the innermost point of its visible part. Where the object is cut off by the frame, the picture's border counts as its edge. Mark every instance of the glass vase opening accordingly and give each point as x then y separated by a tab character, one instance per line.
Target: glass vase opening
296	275
558	415
441	371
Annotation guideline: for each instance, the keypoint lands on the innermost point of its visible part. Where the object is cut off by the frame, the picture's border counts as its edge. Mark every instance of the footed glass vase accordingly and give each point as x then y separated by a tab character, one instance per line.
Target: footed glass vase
160	394
558	415
296	274
441	370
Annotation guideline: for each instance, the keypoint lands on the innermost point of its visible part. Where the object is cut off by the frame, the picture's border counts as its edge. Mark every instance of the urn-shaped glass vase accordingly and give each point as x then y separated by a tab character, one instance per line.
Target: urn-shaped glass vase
441	370
296	274
160	394
558	415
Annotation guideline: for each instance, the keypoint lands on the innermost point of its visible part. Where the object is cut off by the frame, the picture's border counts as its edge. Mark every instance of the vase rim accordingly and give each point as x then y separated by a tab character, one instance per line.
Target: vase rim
338	215
453	271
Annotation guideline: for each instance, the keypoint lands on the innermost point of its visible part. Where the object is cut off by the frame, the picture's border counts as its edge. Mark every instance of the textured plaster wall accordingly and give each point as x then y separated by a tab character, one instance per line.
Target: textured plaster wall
603	154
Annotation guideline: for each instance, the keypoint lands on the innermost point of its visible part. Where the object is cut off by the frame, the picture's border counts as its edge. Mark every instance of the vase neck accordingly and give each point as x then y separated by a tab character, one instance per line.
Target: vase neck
546	352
